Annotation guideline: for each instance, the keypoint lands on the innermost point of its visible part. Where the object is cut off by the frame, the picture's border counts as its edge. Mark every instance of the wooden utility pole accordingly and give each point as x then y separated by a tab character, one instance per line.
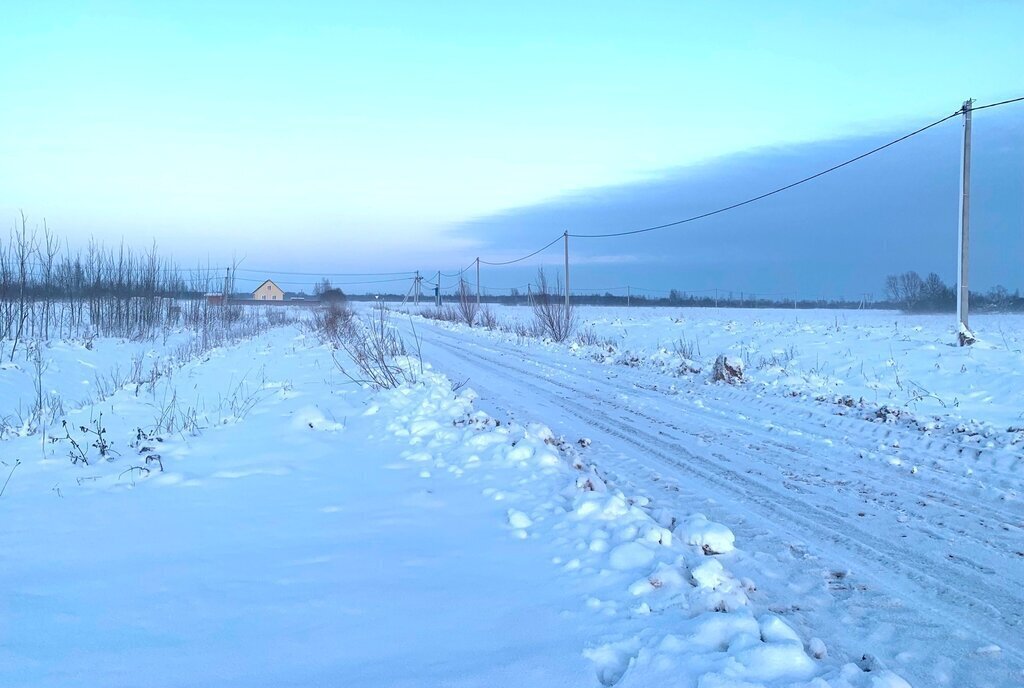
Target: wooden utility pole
478	281
566	236
964	335
416	294
627	296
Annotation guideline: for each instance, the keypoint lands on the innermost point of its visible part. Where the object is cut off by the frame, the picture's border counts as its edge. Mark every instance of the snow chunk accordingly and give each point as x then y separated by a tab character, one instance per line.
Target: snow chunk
310	417
775	630
424	427
727	369
664	577
520	452
711	537
630	555
774	662
599	507
517	519
710	574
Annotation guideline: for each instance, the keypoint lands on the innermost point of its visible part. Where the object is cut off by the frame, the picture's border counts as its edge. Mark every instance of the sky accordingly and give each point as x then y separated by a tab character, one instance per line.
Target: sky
337	137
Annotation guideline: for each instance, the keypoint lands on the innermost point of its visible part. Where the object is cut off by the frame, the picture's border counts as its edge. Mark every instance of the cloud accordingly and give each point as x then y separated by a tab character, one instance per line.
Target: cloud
838	235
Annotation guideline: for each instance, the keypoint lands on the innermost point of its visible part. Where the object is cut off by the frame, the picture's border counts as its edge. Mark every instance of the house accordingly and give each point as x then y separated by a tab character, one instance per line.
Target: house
268	291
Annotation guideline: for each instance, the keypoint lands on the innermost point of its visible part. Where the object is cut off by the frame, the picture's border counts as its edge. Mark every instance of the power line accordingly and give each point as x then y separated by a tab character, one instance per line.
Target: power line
799	182
327	274
992	105
337	284
531	255
774	191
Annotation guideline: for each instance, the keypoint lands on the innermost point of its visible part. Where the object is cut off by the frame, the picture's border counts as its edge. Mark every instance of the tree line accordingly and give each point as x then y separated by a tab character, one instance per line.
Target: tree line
912	293
48	290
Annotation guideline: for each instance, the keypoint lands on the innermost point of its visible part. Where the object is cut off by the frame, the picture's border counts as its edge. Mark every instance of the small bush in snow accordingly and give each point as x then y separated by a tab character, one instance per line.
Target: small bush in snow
589	337
553	317
488	319
333	321
379	353
444	314
687	349
467	305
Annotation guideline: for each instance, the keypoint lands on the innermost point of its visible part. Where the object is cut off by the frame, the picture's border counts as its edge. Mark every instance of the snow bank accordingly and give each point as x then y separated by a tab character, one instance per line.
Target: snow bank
669	610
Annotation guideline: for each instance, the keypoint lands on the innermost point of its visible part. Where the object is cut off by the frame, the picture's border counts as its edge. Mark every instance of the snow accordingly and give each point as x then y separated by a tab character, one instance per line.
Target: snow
712	538
530	527
887	536
910	363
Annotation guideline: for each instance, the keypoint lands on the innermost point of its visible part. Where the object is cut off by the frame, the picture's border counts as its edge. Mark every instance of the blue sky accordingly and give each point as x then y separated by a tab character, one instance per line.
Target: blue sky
332	136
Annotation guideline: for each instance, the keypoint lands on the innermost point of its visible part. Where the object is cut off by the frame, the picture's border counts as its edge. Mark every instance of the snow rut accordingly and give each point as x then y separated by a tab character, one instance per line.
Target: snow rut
787	483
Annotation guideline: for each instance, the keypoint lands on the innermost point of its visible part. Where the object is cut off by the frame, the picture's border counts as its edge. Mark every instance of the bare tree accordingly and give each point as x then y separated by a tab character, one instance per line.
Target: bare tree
552	316
24	247
467	303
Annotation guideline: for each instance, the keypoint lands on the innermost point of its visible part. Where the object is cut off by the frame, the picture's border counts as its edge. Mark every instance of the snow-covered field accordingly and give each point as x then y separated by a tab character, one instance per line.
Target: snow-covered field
526	513
908	363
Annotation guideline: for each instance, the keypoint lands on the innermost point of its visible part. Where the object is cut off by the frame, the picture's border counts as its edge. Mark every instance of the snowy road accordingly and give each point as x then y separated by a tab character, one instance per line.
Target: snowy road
885	542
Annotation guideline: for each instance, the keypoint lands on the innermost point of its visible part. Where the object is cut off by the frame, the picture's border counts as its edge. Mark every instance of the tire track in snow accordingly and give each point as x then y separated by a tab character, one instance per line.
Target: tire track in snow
967	589
914	448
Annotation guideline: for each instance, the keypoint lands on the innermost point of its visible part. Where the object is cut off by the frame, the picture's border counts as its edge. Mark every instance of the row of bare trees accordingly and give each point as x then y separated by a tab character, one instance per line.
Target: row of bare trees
553	318
48	290
912	293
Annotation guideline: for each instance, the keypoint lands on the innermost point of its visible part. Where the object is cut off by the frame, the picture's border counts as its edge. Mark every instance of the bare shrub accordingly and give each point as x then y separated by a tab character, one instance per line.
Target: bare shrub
524	330
175	417
333	322
378	352
467	305
444	314
553	317
243	398
778	359
688	349
488	319
588	337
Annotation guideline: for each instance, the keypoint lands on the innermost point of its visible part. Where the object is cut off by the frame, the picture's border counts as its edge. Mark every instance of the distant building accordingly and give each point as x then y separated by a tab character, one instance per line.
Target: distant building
268	291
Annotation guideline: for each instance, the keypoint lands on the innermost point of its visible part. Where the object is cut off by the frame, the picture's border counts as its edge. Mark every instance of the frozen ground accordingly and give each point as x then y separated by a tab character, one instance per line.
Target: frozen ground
307	532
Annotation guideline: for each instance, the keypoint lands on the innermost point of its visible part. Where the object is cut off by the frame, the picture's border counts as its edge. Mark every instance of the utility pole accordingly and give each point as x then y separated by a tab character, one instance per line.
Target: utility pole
964	335
566	236
437	290
627	296
478	281
416	294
